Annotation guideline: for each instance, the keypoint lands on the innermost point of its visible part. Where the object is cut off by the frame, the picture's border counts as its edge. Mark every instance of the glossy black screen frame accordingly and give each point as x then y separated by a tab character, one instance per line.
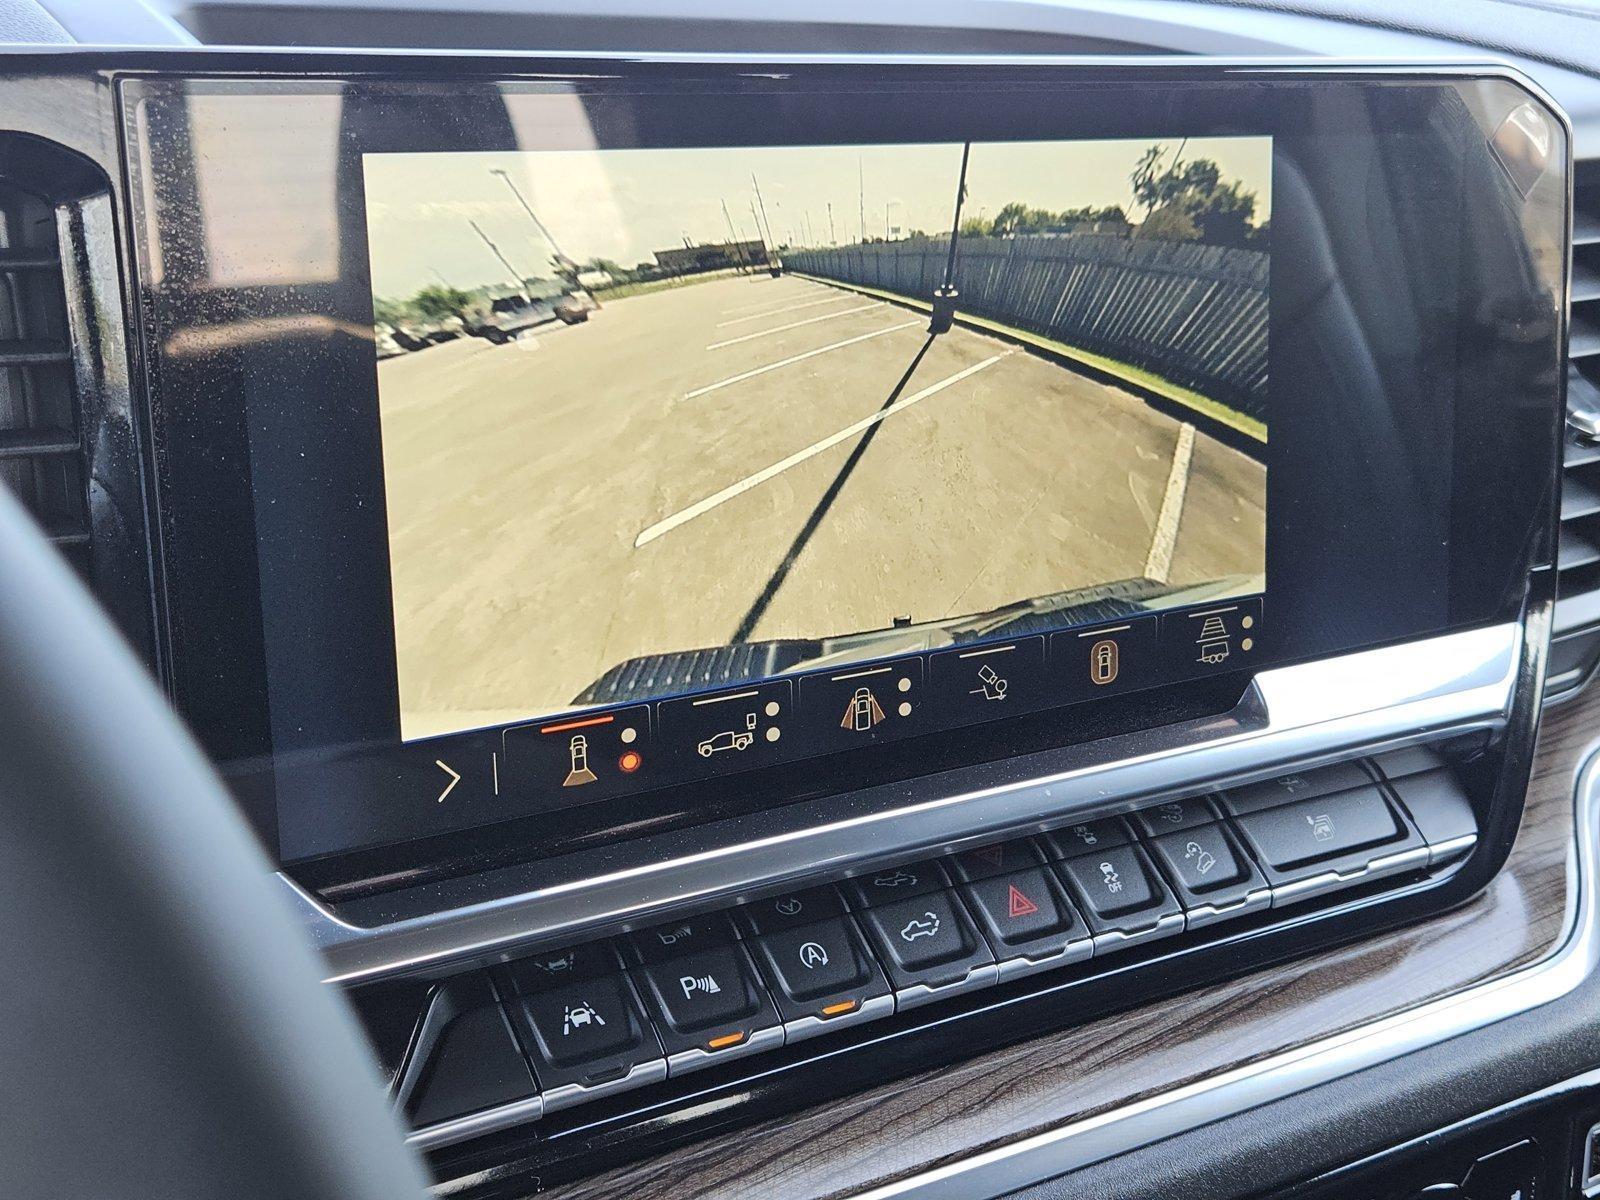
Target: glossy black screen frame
208	521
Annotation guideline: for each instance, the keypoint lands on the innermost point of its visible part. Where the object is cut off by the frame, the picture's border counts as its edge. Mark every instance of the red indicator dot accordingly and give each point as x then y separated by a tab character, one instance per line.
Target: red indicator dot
630	762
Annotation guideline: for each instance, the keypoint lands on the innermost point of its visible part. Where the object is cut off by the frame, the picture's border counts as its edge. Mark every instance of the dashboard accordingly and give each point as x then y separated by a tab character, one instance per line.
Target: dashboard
937	619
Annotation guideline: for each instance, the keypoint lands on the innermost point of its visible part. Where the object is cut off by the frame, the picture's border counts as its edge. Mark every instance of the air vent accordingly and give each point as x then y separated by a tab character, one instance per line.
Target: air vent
41	446
1576	646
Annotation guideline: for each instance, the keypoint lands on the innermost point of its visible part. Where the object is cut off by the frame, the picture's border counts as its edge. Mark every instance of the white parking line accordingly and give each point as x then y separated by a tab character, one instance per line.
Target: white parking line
787	308
807	290
701	507
1158	564
795	358
750	337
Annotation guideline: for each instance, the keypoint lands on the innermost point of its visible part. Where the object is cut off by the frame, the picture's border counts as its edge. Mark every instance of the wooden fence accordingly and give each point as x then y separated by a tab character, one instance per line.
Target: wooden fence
1193	314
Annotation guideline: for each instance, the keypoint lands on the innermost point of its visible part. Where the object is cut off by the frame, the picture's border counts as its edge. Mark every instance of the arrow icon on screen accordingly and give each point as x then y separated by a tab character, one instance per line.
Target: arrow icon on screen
455	778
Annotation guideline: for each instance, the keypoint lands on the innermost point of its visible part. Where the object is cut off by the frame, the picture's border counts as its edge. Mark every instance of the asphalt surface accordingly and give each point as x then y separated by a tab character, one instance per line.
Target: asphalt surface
652	481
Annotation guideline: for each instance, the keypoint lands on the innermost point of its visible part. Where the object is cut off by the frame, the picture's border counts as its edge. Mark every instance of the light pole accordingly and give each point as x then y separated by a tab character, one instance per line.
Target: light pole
735	252
774	265
562	261
944	298
516	280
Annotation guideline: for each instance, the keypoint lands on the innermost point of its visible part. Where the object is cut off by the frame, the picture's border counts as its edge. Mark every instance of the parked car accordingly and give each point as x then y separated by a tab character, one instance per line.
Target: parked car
508	316
387	345
574	307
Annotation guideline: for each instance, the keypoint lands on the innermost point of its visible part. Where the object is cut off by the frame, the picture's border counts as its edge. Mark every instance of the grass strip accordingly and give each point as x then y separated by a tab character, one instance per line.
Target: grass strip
621	291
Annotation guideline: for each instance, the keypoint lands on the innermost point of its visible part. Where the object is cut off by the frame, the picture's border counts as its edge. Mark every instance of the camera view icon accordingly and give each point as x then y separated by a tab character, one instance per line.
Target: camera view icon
990	684
1213	640
730	739
728	726
1218	630
579	774
863	711
1104	662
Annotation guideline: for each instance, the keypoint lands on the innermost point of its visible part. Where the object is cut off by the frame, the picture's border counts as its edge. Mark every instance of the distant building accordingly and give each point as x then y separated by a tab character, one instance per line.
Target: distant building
715	256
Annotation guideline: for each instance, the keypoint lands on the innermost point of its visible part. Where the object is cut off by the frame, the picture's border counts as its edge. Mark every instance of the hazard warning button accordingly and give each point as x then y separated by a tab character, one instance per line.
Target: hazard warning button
1024	912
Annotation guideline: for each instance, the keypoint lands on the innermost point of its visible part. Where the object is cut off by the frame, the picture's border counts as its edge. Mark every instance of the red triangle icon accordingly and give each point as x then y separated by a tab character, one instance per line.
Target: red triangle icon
1021	906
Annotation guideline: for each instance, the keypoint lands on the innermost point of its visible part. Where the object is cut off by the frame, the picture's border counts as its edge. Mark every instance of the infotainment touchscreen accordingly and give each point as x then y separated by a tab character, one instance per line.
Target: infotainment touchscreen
672	420
554	457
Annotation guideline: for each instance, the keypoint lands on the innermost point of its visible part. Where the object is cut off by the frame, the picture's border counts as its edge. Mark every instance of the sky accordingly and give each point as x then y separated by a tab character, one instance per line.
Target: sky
626	204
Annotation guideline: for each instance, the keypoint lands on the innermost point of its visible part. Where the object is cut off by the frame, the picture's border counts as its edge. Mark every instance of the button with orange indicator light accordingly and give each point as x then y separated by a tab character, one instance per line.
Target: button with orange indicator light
579	757
706	1004
820	970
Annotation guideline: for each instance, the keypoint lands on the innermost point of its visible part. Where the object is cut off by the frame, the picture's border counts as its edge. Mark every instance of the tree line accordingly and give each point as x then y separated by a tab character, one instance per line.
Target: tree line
1178	202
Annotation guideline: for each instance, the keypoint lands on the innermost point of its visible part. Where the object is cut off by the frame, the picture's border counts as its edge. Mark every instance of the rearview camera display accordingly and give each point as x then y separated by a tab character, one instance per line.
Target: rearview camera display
667	421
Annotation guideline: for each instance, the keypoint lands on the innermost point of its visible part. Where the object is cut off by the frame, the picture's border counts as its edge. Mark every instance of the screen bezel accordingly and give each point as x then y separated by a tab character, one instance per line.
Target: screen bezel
218	655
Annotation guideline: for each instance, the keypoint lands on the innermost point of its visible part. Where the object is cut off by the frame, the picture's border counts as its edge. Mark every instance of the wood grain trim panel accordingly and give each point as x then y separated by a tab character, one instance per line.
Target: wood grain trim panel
935	1117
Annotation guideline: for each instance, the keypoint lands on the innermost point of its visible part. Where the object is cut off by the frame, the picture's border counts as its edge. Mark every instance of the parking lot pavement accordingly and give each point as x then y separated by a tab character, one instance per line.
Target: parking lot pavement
764	458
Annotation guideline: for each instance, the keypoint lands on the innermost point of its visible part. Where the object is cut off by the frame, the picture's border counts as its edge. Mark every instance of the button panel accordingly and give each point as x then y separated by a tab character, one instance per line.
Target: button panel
792	909
896	883
1087	837
823	976
996	859
562	1026
1028	920
1211	875
985	683
928	946
1174	815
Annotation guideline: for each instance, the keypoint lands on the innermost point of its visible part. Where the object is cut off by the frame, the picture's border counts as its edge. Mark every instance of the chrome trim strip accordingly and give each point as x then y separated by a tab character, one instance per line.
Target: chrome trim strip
1112	940
801	1028
1454	848
1077	1144
473	1124
1202	915
568	1094
1297	890
1300	715
1077	950
695	1059
917	994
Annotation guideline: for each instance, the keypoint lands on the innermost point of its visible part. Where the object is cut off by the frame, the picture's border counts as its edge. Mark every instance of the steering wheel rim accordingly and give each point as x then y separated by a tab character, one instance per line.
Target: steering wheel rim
164	1029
